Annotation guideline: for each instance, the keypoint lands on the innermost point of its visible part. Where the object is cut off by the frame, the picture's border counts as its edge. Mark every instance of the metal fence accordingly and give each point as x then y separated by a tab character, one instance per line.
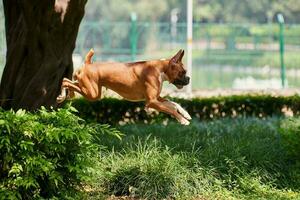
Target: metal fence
242	56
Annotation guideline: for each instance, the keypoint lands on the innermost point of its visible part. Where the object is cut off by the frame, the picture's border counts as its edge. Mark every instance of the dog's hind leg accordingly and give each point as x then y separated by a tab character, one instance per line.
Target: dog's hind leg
90	90
63	96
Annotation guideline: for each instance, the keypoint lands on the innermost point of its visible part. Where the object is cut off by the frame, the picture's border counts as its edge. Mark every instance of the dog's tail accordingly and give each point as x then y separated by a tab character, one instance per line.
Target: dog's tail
88	57
88	60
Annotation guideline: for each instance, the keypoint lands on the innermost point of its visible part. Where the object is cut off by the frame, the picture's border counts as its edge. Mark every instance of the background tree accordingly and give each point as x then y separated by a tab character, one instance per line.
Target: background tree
40	37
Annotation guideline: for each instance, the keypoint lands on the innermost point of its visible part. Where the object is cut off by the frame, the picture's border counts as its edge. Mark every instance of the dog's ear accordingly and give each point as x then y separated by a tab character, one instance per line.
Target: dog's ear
178	57
181	55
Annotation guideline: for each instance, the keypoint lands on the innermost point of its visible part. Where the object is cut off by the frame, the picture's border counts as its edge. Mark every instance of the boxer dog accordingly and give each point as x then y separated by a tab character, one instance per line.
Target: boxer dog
137	81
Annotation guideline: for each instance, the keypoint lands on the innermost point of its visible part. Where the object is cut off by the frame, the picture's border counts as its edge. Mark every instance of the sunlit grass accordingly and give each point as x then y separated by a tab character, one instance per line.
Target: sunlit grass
223	159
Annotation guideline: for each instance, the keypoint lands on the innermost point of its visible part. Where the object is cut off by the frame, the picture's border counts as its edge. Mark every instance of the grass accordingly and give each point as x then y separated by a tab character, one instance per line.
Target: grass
221	159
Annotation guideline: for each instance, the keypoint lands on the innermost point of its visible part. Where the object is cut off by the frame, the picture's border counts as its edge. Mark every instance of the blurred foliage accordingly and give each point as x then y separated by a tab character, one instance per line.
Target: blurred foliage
256	11
119	10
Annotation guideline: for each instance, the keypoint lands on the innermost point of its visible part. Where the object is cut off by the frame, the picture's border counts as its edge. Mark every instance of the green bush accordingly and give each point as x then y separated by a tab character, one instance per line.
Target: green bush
46	154
114	111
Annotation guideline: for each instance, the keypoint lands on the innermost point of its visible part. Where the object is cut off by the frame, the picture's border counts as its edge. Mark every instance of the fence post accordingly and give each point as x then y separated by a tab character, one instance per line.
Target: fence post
133	36
189	44
281	43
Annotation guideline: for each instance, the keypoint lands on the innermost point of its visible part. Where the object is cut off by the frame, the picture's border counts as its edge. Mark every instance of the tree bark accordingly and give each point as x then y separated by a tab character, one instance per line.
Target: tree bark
40	37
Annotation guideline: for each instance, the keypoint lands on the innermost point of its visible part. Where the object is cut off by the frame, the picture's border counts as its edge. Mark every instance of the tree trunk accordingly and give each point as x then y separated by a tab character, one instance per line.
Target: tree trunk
40	37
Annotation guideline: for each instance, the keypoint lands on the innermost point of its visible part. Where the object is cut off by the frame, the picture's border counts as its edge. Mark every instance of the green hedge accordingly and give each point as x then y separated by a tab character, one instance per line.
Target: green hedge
47	154
114	111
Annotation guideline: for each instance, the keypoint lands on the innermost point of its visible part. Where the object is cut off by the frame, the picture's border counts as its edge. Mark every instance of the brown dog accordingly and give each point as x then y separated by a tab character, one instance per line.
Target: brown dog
138	81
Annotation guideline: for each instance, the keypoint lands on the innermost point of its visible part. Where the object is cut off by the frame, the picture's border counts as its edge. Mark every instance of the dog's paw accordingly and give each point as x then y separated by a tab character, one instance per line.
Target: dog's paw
150	110
182	112
60	99
184	121
62	96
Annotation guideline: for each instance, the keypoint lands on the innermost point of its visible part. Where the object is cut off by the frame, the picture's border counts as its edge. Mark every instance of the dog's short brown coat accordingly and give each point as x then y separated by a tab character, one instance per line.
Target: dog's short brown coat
138	81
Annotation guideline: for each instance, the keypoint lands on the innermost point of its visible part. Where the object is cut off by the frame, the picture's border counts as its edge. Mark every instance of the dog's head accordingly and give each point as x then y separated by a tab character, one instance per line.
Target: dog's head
176	71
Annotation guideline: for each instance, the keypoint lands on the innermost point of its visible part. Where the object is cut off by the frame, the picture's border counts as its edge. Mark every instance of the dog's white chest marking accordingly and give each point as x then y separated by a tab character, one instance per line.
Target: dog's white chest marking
163	77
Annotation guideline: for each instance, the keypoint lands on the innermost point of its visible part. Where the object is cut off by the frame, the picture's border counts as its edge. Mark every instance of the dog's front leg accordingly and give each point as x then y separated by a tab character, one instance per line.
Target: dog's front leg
177	107
153	100
168	108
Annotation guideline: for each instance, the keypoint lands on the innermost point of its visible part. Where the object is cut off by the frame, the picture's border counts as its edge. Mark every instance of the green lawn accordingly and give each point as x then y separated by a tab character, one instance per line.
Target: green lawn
244	158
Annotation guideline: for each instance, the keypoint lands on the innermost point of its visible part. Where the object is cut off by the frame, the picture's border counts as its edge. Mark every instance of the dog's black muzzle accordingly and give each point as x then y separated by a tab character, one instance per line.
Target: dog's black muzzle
180	82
